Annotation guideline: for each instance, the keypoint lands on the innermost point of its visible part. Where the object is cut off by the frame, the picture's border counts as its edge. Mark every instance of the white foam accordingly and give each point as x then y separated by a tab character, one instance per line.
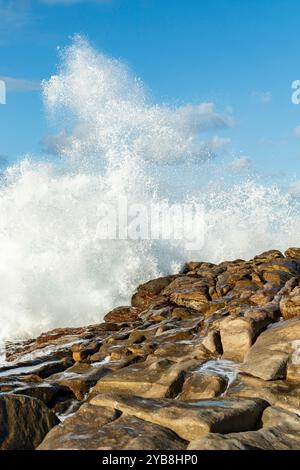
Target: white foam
53	269
221	367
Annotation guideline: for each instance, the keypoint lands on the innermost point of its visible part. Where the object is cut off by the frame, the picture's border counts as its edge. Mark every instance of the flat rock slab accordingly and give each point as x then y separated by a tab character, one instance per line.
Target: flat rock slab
79	378
131	433
193	419
57	343
153	379
79	431
276	438
98	428
268	357
47	393
40	368
24	421
275	416
278	392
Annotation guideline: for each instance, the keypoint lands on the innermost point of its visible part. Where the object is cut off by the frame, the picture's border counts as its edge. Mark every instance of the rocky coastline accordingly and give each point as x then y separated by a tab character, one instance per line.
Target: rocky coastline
207	359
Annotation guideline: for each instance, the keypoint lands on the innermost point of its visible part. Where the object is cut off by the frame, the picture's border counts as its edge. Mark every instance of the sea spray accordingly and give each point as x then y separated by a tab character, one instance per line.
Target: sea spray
113	141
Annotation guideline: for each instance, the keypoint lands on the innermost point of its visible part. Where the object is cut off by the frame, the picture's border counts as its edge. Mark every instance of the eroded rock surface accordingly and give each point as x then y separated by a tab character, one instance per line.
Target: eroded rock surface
190	419
98	428
24	422
269	356
205	359
280	431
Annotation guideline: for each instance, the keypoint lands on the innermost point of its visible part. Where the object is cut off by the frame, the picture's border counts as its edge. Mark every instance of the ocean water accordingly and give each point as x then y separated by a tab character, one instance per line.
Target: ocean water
113	142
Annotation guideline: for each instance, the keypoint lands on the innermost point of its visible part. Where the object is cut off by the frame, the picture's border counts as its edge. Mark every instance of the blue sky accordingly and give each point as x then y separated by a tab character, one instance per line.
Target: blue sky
239	54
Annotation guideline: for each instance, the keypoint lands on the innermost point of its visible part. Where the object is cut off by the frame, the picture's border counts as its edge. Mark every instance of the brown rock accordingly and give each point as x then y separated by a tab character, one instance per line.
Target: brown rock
246	285
202	386
238	334
79	431
182	351
278	392
183	331
82	351
157	313
290	304
293	372
130	433
228	279
267	256
293	253
192	266
122	315
286	265
277	277
24	421
47	393
265	295
79	378
281	431
193	299
189	420
182	313
148	291
165	356
268	357
276	416
212	342
265	439
56	344
188	292
97	428
153	378
42	369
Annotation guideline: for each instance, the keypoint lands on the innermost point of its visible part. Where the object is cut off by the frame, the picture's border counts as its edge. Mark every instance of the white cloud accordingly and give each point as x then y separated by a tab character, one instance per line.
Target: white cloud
200	118
297	132
264	97
209	149
242	163
169	136
219	143
22	85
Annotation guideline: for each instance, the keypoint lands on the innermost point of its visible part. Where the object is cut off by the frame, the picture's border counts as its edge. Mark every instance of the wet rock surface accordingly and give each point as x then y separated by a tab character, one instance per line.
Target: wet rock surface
189	419
269	356
24	422
280	431
206	359
98	428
